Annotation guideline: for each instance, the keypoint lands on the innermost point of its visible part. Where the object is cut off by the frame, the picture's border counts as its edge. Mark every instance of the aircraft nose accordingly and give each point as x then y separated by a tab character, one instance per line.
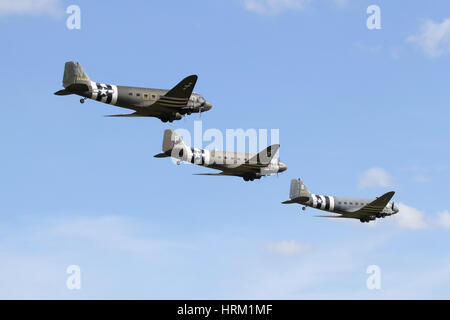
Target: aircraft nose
207	106
283	167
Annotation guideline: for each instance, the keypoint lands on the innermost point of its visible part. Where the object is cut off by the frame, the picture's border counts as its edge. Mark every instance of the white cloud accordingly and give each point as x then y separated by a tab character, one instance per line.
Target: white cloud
375	177
31	7
444	219
287	248
409	217
272	7
434	38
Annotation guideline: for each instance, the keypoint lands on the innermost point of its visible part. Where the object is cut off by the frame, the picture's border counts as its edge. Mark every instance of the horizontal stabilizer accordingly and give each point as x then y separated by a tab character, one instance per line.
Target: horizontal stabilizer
299	200
161	155
62	93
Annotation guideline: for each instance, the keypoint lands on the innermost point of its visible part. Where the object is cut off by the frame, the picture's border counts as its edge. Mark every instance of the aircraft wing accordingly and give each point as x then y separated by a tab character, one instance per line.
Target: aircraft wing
251	166
223	173
240	171
375	206
262	159
369	210
174	100
177	97
135	114
230	172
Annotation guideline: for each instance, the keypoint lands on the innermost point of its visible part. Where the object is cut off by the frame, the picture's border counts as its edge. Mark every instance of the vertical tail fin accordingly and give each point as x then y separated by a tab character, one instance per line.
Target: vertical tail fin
298	189
74	74
172	145
170	140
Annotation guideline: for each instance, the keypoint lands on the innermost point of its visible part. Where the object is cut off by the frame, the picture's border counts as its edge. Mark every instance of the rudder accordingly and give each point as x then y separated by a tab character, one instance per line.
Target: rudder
298	189
74	74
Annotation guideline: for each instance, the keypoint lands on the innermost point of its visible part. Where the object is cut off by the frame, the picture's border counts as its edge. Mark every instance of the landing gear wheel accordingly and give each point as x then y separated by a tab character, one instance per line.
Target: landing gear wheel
82	100
246	179
164	119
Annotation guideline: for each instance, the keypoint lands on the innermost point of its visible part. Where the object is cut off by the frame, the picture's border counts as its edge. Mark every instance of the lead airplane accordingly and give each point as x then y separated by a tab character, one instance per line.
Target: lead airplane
363	209
245	165
167	105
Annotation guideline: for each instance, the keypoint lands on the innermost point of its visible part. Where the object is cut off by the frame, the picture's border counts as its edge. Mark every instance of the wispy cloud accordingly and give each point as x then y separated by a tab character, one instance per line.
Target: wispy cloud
273	7
375	177
31	7
287	248
433	38
443	220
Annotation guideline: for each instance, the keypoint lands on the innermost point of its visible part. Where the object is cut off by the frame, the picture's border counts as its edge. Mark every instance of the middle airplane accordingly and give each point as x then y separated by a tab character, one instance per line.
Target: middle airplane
245	165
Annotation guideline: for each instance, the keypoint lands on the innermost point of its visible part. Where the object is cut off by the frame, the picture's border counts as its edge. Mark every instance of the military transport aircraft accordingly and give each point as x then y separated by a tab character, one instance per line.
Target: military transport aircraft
167	105
246	165
363	209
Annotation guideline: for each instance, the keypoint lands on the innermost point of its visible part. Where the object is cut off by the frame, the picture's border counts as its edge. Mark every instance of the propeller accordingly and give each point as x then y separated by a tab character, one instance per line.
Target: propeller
392	206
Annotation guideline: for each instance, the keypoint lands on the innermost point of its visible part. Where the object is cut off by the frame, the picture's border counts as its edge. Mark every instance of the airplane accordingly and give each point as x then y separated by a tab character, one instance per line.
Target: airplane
363	209
245	165
167	105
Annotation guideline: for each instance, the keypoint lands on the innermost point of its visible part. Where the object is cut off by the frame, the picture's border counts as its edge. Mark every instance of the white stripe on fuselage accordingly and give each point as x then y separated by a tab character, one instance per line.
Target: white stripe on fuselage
331	203
115	94
94	90
314	204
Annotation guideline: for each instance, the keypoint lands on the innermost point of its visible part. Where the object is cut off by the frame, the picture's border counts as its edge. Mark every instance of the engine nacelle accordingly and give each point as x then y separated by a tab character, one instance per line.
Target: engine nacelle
272	168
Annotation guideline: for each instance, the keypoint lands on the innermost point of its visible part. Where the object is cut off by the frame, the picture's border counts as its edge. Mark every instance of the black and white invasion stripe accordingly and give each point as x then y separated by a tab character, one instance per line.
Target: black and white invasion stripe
102	92
322	202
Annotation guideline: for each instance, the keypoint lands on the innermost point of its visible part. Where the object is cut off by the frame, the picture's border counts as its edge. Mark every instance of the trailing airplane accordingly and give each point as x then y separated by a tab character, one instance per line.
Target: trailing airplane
167	105
246	165
363	209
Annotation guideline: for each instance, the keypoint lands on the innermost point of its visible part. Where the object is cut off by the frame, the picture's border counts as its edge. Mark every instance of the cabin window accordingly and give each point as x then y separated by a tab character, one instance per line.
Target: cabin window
356	203
153	97
138	94
339	202
345	202
145	96
130	93
351	203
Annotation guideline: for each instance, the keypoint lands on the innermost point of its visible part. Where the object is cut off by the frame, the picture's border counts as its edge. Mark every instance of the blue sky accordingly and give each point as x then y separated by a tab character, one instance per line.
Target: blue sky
360	112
